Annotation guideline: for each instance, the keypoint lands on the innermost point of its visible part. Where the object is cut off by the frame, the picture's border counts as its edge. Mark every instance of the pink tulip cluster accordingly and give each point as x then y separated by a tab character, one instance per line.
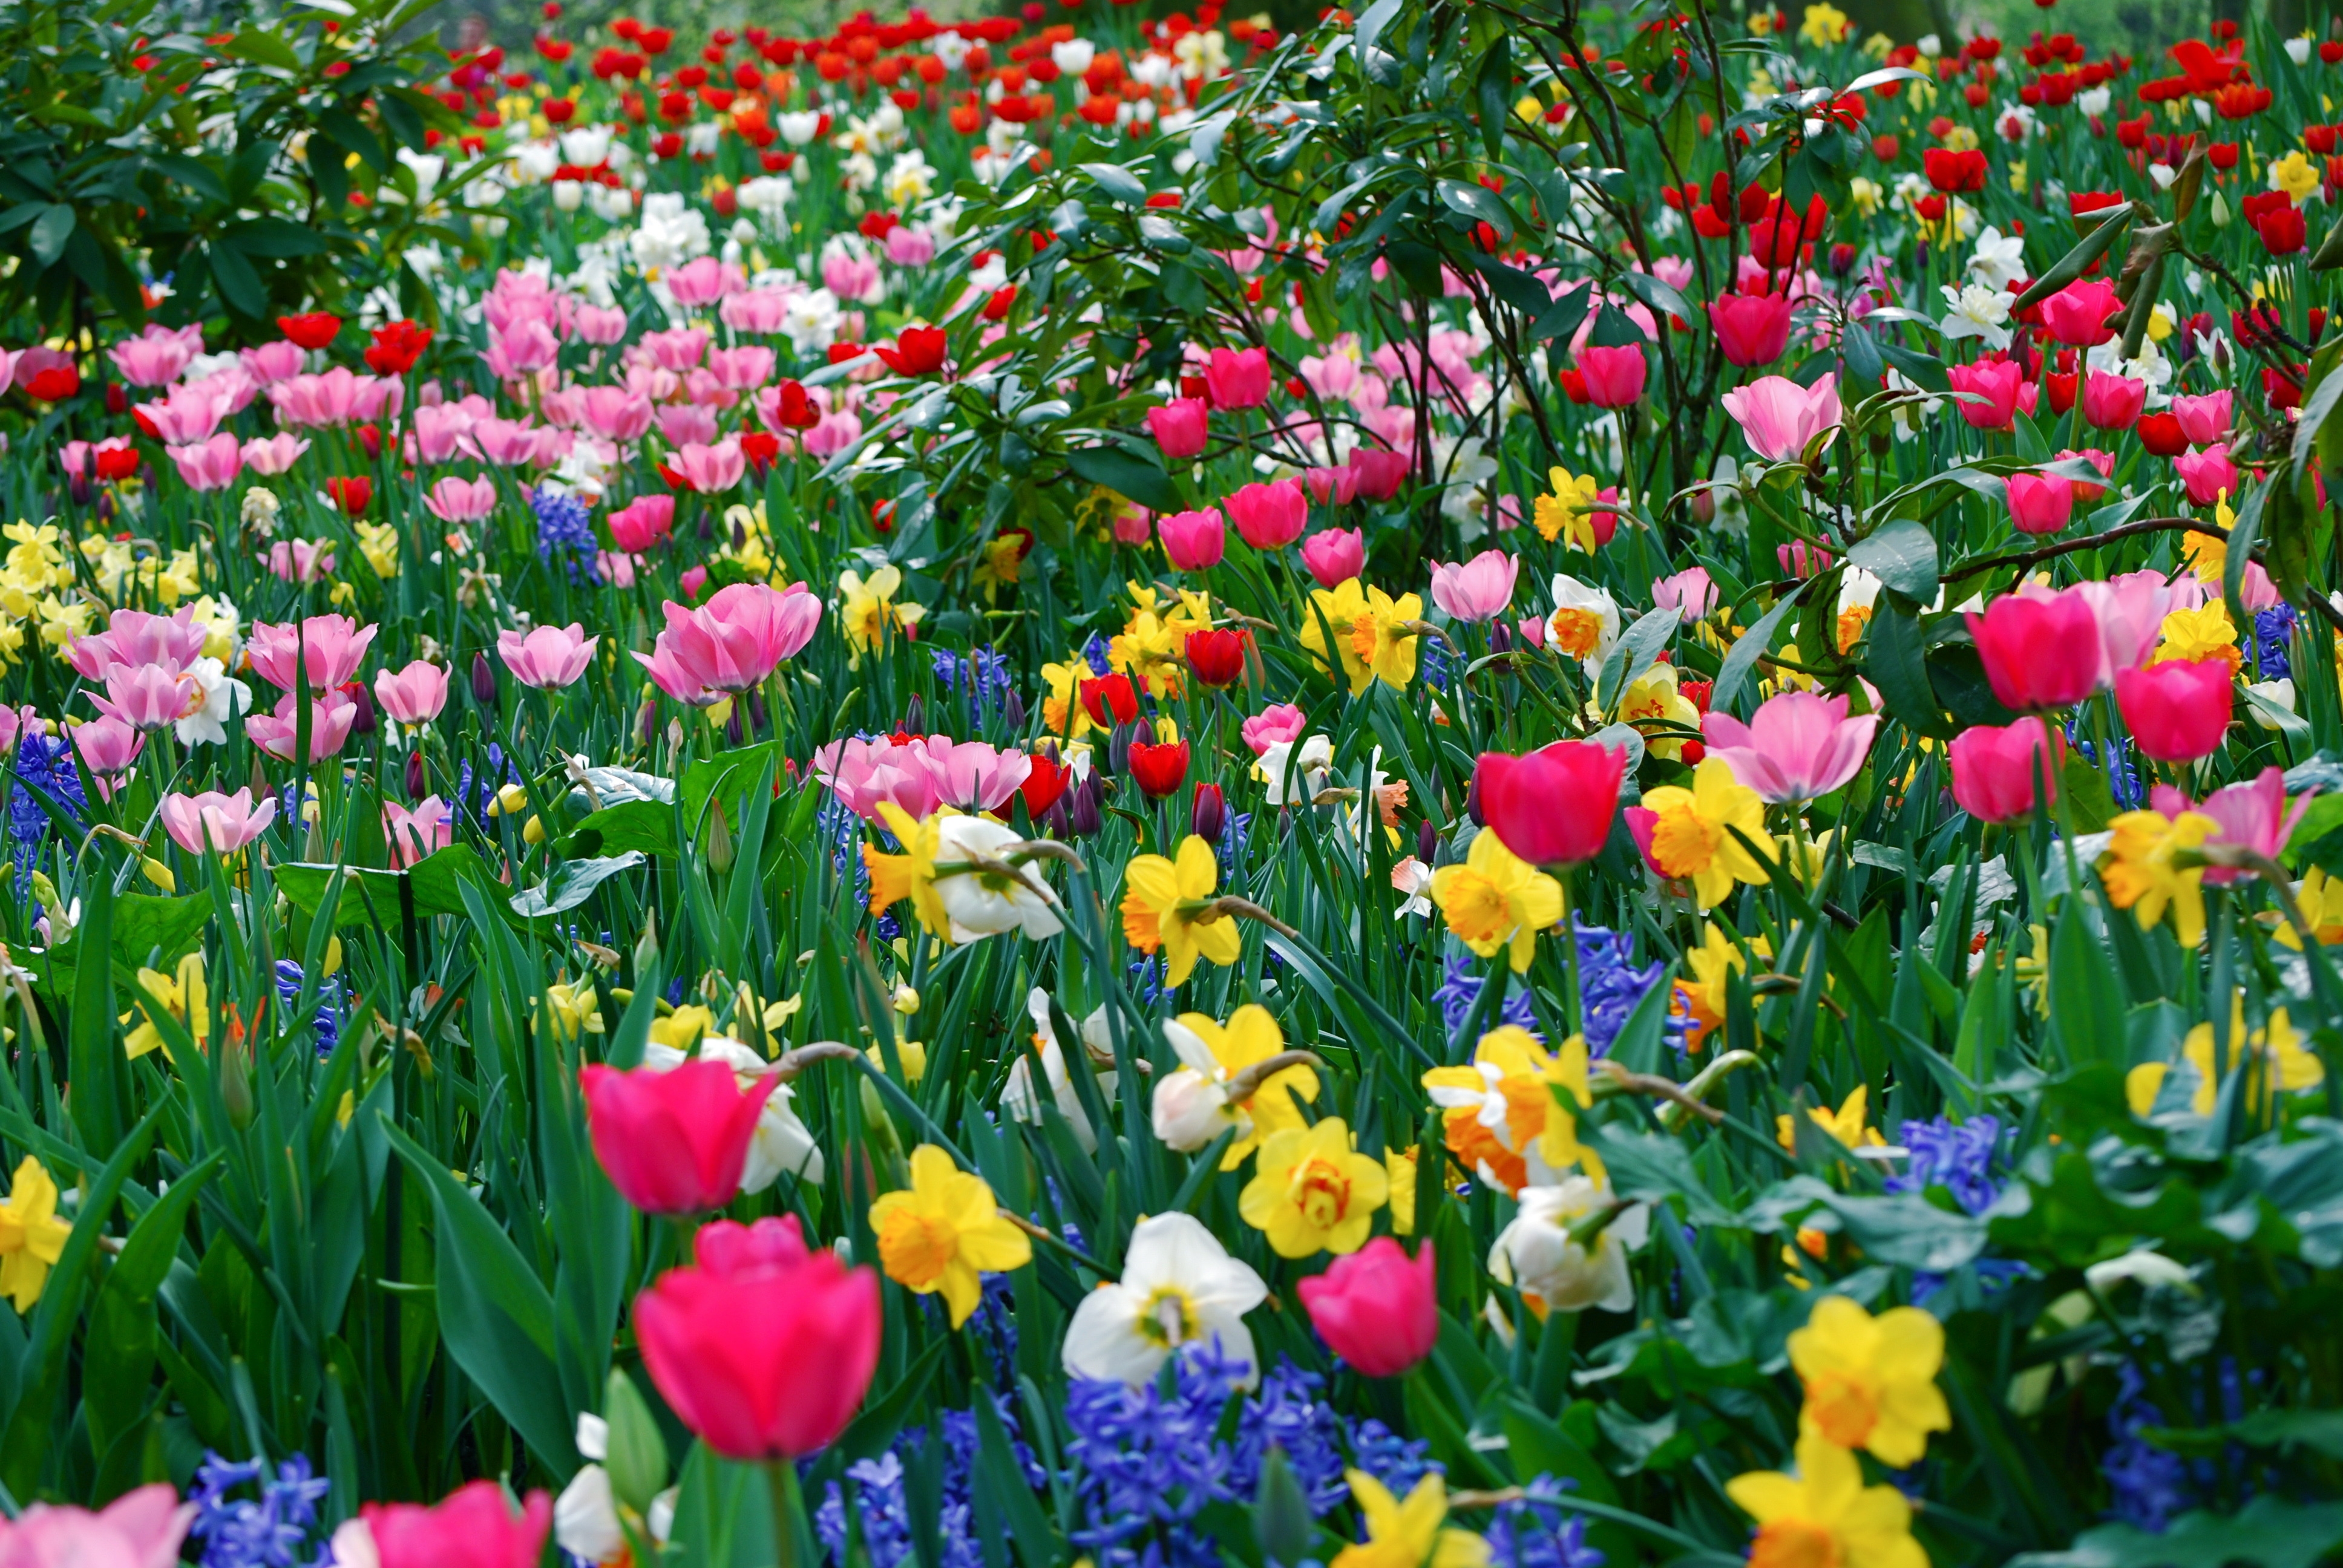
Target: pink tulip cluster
920	775
732	643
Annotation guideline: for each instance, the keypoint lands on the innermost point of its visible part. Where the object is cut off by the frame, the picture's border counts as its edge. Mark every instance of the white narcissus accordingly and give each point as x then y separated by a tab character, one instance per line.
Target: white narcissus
1017	1098
1536	1253
983	902
1179	1287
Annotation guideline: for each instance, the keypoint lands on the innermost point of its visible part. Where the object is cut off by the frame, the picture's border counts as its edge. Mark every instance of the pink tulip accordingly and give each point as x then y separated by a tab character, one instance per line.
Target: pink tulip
1798	747
970	774
148	695
863	773
472	1527
140	1529
616	413
1334	555
547	657
703	281
133	636
211	466
732	643
2207	476
1779	418
1615	376
278	733
1751	328
1997	382
1271	517
642	522
1380	473
742	369
330	647
2041	649
225	823
1194	541
272	362
1996	770
414	694
2113	402
1690	593
522	351
677	350
2077	315
336	397
270	455
910	246
1328	488
1237	378
442	431
185	415
687	423
1479	589
1800	560
709	470
766	1347
1180	427
1281	723
2205	419
1377	1308
456	500
2254	815
674	1140
2040	503
302	560
601	324
1556	805
2104	462
108	744
2177	711
416	835
2130	610
156	356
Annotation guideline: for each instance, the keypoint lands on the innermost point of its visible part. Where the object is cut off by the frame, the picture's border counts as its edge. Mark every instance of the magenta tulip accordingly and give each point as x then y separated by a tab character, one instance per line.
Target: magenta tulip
2178	711
1751	328
1376	1308
2040	503
1615	376
1553	806
1996	768
674	1141
2041	649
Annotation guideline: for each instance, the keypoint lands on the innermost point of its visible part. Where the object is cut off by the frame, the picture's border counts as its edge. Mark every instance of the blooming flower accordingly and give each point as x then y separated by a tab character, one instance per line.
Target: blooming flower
1312	1191
1825	1515
1688	835
942	1231
1179	1287
1414	1534
1164	906
1555	1270
1371	632
1496	899
32	1237
1871	1382
2142	874
2272	1057
1213	1090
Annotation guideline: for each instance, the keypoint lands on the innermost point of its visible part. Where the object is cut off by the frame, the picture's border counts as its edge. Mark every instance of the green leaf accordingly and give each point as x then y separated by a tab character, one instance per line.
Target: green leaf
1660	296
1902	554
2268	1532
275	238
1651	1168
572	883
1117	184
1634	653
264	48
1899	668
1132	478
50	232
2077	261
118	1358
370	896
1478	202
1005	1504
239	285
1742	657
1494	88
2084	993
100	1098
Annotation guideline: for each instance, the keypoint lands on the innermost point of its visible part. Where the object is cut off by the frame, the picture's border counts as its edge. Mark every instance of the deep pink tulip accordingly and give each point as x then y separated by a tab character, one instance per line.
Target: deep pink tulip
1478	590
1997	382
2040	503
1779	418
1180	427
2177	711
1280	722
472	1527
2077	315
642	523
1798	746
455	500
107	747
1193	541
1271	517
1377	1308
547	657
414	694
2130	609
674	1140
2041	649
329	646
140	1529
766	1347
225	822
1996	768
1751	328
1237	378
2113	402
1335	555
2207	476
1380	473
1554	806
2204	418
278	732
1615	376
1330	487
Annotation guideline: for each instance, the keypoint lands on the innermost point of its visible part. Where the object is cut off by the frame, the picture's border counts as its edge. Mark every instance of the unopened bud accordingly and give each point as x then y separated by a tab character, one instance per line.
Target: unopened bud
1208	817
484	680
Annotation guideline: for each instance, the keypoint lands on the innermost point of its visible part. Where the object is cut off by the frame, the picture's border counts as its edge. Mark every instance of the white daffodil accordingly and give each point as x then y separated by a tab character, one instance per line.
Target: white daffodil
1536	1252
1998	260
983	902
1295	772
1191	1107
783	1143
1411	878
1977	311
1585	624
1179	1287
221	697
1017	1097
669	233
586	1515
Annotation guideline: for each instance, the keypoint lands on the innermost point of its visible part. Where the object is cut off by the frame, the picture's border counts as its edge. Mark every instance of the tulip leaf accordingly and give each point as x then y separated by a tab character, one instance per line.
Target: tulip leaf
2106	225
571	883
1132	478
2270	1531
1903	555
371	895
647	826
1660	296
1117	184
1742	657
50	232
1899	668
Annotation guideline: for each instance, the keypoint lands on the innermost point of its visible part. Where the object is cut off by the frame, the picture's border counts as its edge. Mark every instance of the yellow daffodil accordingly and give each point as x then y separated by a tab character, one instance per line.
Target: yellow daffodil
1062	712
1503	1106
2321	898
378	542
1871	1382
1825	24
1193	1105
1370	632
183	995
1414	1533
1824	1516
945	1231
1152	648
683	1028
576	1008
32	1237
1655	705
868	610
999	564
911	874
1161	908
1399	1171
1685	832
1313	1192
1846	1123
1495	898
2141	875
2273	1056
2205	632
2295	174
1567	509
1701	995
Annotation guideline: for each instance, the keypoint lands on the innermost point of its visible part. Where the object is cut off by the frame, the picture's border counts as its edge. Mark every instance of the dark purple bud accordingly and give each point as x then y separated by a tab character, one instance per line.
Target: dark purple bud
362	723
1012	709
1427	841
1473	800
1088	809
915	716
1209	817
1118	749
484	680
416	779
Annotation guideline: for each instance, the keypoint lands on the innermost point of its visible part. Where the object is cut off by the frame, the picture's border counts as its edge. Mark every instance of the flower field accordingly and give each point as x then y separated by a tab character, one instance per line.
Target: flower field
1494	785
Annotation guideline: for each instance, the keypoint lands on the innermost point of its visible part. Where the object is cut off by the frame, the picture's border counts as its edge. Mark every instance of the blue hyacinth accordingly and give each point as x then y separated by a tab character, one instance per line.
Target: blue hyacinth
1391	1459
1610	988
44	768
1457	994
1957	1156
2147	1485
329	1021
2273	631
1094	652
278	1528
1537	1533
565	527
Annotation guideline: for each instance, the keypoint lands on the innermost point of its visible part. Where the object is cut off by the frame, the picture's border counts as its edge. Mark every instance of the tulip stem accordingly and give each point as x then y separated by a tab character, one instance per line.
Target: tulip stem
782	1478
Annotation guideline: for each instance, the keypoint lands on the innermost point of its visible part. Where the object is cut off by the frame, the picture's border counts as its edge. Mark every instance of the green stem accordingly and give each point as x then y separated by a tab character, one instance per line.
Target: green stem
782	1477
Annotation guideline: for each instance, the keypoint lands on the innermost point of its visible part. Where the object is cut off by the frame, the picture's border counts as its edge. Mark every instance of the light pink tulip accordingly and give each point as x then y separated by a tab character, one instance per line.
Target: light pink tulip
1479	589
709	470
107	747
1779	418
278	733
140	1529
272	362
1280	722
677	350
970	774
336	397
329	646
157	356
1798	747
270	455
742	369
211	465
441	432
135	637
186	415
600	324
704	282
302	560
1690	593
732	643
414	694
2130	610
862	773
616	413
548	657
413	834
456	500
148	695
1332	487
2253	815
225	822
760	310
507	443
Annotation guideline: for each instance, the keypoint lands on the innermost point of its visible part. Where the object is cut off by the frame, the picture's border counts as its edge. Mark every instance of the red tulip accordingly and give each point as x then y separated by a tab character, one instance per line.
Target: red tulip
1380	473
1218	657
2041	650
1752	328
1378	1309
1110	700
1553	806
1046	780
47	374
352	494
918	351
2162	435
1160	769
397	347
316	330
472	1527
1996	768
765	1349
2178	711
674	1142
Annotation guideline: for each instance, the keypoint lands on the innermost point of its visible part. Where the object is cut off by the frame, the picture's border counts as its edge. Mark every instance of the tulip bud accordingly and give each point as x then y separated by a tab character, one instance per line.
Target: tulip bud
484	680
363	721
235	1083
719	844
1118	749
759	720
1500	637
1427	841
1013	710
732	736
638	1459
915	716
1208	815
1088	809
416	779
1472	802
